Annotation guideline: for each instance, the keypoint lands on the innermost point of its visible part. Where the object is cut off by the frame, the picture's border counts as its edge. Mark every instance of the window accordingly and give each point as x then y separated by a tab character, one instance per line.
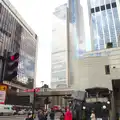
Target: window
6	108
92	10
107	69
97	9
102	7
114	5
108	6
0	7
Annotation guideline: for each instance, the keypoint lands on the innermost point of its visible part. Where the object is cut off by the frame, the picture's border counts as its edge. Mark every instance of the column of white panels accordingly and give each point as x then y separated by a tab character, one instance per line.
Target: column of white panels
102	27
107	19
114	25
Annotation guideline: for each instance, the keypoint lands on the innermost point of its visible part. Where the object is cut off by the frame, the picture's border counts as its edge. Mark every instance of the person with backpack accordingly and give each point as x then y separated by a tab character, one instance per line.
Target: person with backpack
52	115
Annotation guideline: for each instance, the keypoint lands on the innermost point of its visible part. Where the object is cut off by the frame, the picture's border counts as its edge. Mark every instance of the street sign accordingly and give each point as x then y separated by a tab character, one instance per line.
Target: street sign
3	87
32	90
2	97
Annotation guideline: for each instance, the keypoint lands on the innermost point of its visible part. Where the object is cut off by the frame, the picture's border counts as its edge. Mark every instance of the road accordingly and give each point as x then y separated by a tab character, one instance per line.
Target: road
19	117
12	117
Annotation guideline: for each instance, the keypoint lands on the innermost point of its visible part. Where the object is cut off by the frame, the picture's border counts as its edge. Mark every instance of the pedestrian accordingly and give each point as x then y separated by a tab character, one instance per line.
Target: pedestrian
52	114
40	115
29	117
62	116
45	115
68	115
93	116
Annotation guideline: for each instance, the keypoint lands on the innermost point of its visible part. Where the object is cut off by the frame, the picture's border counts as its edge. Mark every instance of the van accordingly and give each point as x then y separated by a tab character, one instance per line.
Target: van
6	110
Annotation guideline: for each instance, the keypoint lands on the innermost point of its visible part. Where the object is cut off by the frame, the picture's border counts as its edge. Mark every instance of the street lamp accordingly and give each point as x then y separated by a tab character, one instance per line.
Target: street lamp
104	107
108	102
84	107
42	82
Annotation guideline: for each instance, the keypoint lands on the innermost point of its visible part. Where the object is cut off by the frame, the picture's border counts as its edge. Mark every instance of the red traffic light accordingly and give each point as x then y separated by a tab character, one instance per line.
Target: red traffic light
14	57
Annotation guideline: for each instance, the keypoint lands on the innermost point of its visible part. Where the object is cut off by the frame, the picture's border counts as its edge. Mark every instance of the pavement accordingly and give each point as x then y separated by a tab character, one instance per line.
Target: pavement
22	117
12	117
17	117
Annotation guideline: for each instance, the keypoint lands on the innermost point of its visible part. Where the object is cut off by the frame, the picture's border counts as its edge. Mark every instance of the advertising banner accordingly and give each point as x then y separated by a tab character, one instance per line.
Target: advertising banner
2	97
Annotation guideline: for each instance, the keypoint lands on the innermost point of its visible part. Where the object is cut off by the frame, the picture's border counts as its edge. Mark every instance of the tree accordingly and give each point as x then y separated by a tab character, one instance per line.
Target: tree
30	83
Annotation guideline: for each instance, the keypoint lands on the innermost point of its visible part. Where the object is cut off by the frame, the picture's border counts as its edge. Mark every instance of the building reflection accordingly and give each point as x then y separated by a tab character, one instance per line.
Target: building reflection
16	37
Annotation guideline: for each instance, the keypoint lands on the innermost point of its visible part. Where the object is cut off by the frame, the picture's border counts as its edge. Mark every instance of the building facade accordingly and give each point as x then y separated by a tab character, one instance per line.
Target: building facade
59	55
105	23
17	36
68	43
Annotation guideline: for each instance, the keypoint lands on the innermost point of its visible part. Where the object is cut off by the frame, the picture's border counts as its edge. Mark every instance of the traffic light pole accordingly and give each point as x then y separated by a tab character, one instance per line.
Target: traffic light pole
3	66
33	106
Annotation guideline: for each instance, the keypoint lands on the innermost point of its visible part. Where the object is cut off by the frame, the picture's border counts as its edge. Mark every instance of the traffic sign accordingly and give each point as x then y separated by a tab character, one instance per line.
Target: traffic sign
3	87
2	97
32	90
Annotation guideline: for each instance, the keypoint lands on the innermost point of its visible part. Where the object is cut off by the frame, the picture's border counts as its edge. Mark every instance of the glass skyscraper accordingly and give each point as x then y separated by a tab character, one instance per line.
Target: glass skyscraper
105	23
17	36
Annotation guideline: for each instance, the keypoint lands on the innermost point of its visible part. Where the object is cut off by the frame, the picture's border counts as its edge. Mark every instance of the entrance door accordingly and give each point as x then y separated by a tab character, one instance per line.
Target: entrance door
116	92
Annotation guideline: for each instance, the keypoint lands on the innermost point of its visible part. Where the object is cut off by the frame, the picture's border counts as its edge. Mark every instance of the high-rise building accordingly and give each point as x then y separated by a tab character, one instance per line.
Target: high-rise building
59	54
105	23
68	43
17	36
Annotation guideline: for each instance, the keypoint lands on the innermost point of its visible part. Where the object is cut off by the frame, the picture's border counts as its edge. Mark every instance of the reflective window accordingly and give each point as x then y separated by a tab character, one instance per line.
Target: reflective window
95	40
111	27
58	67
15	38
100	30
117	23
59	75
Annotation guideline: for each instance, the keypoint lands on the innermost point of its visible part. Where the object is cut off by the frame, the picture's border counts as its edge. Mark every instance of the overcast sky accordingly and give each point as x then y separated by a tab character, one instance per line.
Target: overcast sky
38	14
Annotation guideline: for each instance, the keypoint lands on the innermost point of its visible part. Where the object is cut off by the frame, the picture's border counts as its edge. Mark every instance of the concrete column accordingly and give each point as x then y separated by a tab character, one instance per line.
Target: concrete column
113	109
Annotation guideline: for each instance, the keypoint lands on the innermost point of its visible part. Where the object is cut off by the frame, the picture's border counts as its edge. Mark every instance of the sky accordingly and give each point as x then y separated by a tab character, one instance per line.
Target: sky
38	14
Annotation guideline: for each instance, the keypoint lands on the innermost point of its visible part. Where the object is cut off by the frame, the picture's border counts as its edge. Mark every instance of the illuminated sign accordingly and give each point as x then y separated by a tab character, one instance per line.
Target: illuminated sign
32	90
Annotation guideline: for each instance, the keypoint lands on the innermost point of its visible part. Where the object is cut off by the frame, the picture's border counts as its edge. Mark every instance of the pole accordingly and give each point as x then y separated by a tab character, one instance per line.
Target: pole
33	107
3	66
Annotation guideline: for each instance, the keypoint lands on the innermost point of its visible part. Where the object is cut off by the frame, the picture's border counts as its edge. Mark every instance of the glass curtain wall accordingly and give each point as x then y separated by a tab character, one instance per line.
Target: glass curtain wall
105	23
15	38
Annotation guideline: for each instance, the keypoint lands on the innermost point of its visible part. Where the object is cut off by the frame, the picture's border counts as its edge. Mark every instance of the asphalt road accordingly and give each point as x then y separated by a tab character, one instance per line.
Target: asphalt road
12	117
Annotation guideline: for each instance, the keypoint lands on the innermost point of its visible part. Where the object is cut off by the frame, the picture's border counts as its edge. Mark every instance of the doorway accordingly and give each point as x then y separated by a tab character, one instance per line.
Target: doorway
116	93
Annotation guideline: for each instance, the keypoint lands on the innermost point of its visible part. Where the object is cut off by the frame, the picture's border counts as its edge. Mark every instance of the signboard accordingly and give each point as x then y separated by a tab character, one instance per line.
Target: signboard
93	100
32	90
2	97
3	88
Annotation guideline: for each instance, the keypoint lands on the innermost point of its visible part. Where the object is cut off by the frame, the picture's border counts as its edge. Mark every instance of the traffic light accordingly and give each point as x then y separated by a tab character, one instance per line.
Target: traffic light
11	66
47	101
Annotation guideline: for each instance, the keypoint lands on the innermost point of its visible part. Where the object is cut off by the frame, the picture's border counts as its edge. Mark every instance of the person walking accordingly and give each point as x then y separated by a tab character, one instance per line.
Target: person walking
68	115
52	115
40	115
45	115
93	116
29	117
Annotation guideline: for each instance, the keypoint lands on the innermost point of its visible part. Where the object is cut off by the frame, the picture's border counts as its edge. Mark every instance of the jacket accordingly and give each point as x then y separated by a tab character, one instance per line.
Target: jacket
68	115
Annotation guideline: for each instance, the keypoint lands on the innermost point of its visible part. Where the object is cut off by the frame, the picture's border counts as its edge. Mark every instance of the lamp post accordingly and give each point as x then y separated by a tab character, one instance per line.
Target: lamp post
42	82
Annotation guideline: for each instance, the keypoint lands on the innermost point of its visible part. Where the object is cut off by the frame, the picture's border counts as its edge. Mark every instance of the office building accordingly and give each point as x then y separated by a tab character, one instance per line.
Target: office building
105	23
68	43
61	11
17	36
